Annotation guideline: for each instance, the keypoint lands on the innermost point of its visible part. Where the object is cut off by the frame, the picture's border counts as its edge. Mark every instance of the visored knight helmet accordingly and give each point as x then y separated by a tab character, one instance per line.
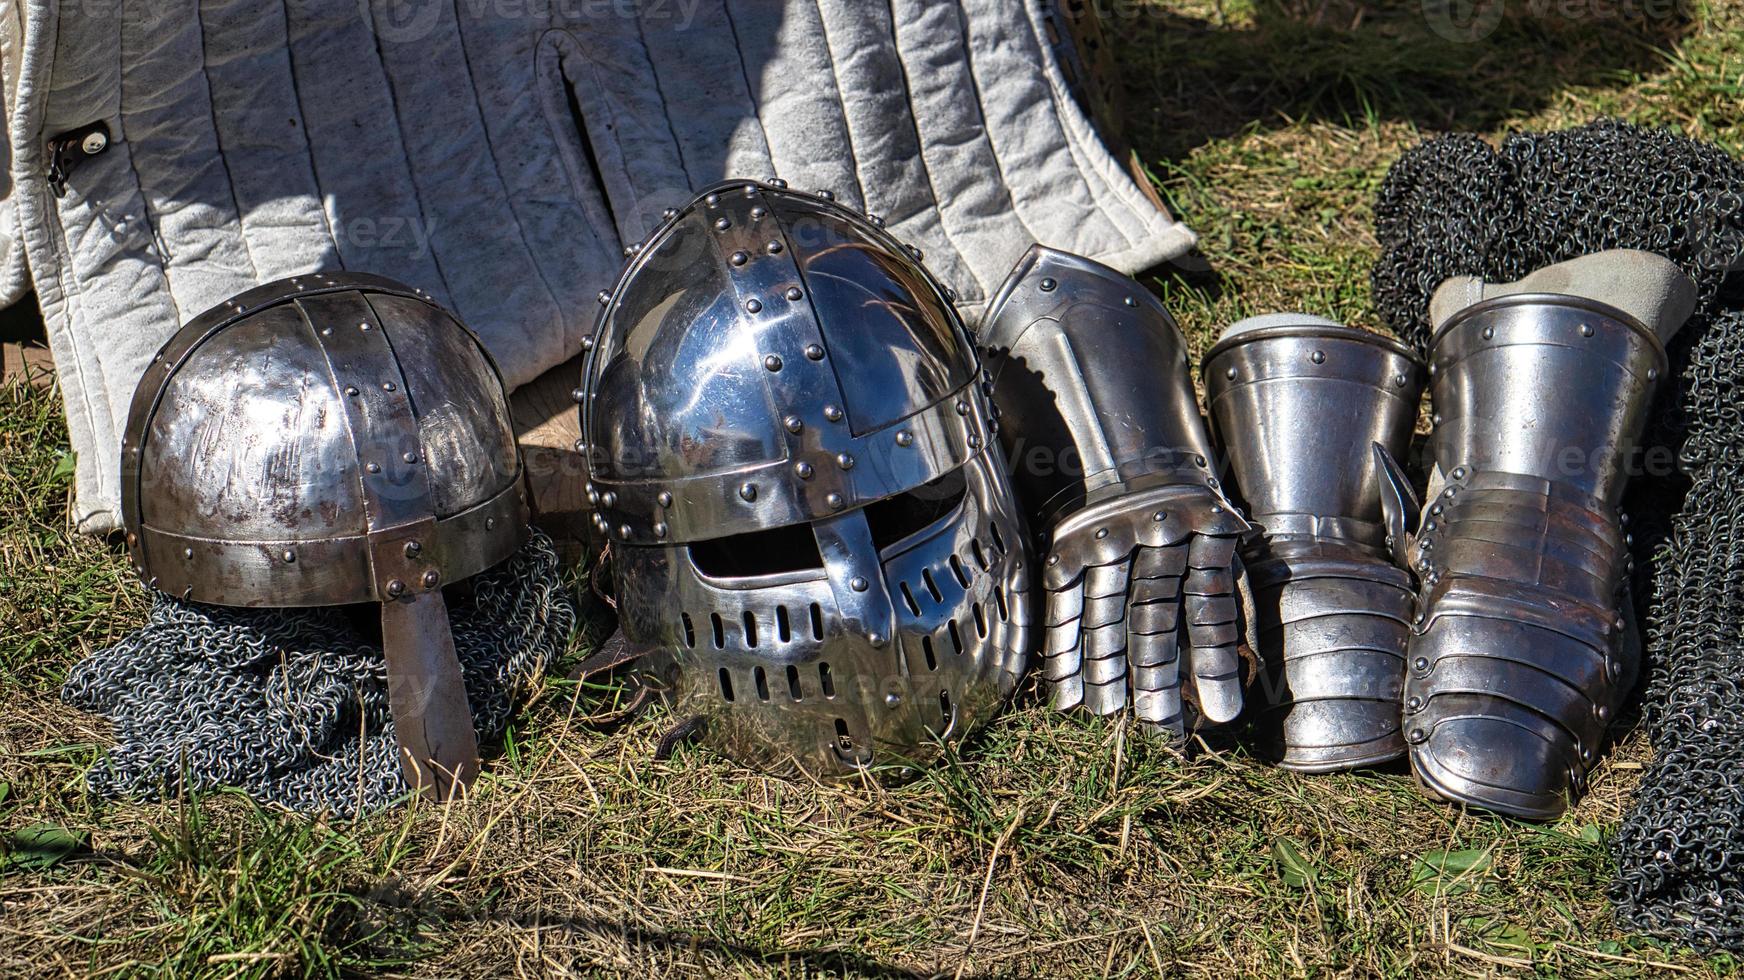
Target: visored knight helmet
814	541
328	440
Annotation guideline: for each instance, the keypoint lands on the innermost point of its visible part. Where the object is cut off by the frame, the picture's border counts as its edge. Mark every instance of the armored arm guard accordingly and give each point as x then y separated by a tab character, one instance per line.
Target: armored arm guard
1298	404
1112	461
1523	648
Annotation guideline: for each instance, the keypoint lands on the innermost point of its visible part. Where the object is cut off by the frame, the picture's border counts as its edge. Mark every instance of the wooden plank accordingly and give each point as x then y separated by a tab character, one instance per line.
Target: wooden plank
547	425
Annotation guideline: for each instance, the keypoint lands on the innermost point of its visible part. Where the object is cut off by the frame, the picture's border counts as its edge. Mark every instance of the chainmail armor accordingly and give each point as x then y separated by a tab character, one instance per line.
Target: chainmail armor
291	705
1456	206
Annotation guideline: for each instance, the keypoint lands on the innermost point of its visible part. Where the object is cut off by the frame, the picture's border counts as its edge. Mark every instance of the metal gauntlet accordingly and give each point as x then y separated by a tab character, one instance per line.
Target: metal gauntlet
1098	416
1523	646
1298	404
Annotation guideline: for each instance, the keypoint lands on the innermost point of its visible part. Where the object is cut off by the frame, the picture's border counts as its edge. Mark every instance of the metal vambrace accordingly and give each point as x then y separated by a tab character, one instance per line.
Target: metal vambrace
1145	593
1523	647
1298	405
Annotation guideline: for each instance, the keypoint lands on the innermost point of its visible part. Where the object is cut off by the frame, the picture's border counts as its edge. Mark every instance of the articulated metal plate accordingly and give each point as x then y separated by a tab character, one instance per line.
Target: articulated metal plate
1523	650
1298	407
817	549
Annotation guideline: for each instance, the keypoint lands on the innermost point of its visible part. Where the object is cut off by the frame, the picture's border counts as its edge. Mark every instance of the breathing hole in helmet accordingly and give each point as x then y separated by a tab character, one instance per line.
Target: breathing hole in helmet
750	629
947	713
980	556
980	620
999	600
926	576
844	741
689	630
817	621
961	573
726	684
926	647
906	514
720	631
998	539
783	631
762	681
776	551
825	680
793	682
956	637
908	598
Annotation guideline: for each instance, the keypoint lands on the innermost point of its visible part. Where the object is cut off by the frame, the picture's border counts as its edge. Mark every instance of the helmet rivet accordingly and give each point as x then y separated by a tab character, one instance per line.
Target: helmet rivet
1653	374
794	423
778	183
1101	533
974	441
1449	493
326	331
1216	508
1211	481
773	248
431	577
814	352
373	467
845	461
753	306
962	408
759	212
1602	711
1415	703
630	251
1048	284
587	342
723	224
893	699
748	491
388	386
413	548
1199	461
858	584
876	219
905	438
410	457
351	390
671	213
1398	381
1436	510
802	470
1231	374
739	258
795	294
834	501
827	195
363	326
1053	559
1132	301
1418	735
1489	333
1435	419
772	362
1459	472
1318	357
1586	330
609	498
1159	517
604	297
396	587
490	523
578	395
660	529
1421	664
665	498
832	413
624	532
187	552
289	556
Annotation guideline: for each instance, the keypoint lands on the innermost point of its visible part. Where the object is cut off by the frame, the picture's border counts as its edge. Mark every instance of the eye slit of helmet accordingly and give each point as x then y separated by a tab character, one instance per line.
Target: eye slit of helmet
926	575
908	598
956	638
775	551
895	518
824	678
980	620
751	632
726	685
689	630
783	630
793	682
959	572
762	680
720	631
926	647
817	633
999	600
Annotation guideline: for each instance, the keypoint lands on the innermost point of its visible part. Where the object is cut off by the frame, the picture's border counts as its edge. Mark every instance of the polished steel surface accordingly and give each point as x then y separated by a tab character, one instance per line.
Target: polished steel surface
1298	409
1145	596
327	440
816	548
1524	649
769	358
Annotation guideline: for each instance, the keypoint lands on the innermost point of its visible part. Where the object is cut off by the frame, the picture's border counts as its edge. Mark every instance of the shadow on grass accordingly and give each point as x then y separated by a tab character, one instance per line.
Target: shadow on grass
1438	64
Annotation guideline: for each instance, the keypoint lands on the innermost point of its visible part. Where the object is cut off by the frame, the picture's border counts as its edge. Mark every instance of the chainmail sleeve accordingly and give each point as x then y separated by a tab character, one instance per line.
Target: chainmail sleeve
1455	206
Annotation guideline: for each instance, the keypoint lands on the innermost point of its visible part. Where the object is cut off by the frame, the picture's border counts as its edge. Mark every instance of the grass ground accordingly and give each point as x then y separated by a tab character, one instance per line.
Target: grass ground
1053	846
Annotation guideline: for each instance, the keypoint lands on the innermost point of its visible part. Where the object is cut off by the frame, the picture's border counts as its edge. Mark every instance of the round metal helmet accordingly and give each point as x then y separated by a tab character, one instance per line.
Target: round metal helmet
327	440
815	541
